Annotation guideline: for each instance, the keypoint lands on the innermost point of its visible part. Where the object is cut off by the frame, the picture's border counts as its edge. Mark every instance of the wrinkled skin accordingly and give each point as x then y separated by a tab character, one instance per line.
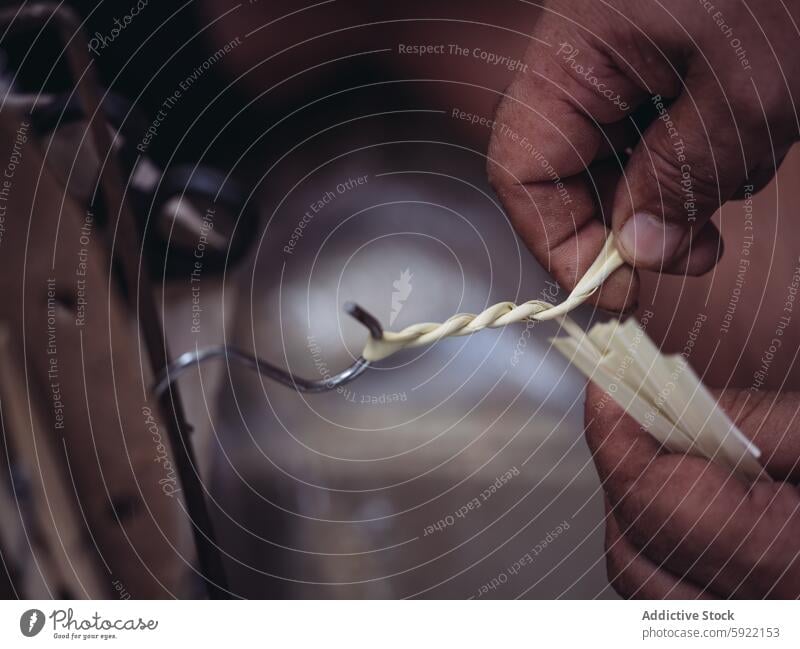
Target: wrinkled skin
676	526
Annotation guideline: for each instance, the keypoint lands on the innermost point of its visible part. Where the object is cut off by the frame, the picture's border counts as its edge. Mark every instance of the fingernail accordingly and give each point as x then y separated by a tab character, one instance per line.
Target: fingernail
649	241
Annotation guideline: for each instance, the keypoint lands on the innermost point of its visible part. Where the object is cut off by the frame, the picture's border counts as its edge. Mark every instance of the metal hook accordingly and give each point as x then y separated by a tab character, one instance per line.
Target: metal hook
185	361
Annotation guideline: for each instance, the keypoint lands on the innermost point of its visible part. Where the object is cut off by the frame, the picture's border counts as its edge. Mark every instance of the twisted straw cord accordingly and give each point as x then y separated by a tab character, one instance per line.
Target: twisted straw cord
497	315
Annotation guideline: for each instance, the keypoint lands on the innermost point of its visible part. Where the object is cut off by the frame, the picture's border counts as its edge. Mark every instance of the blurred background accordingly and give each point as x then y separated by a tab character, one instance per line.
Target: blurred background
279	161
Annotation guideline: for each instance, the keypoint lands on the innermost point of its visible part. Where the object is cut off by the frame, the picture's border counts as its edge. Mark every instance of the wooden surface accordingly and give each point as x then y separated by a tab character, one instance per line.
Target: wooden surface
87	357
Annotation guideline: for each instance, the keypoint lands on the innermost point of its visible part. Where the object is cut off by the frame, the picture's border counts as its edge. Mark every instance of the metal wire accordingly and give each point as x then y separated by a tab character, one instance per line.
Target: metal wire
191	359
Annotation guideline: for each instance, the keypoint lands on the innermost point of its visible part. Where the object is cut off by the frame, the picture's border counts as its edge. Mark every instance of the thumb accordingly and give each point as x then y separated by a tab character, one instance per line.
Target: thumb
688	163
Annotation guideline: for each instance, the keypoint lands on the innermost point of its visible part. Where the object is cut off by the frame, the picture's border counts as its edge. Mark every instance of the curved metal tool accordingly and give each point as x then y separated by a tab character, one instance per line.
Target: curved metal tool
188	360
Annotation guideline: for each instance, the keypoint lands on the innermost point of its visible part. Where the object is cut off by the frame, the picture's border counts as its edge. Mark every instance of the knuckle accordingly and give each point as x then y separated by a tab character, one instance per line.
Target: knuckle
508	161
595	84
680	181
664	172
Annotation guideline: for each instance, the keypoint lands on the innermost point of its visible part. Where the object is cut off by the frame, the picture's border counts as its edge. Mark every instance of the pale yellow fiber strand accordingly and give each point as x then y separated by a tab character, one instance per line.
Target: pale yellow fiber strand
498	315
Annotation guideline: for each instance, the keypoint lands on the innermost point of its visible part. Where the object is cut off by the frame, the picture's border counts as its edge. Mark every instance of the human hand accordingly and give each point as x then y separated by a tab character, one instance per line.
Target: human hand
556	152
678	526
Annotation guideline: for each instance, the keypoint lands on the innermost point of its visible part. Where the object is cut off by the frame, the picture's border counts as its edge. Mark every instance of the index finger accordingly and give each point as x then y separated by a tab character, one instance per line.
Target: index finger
547	133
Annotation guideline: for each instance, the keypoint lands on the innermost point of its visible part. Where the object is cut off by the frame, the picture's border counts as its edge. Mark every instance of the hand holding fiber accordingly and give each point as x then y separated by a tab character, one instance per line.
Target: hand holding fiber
497	315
